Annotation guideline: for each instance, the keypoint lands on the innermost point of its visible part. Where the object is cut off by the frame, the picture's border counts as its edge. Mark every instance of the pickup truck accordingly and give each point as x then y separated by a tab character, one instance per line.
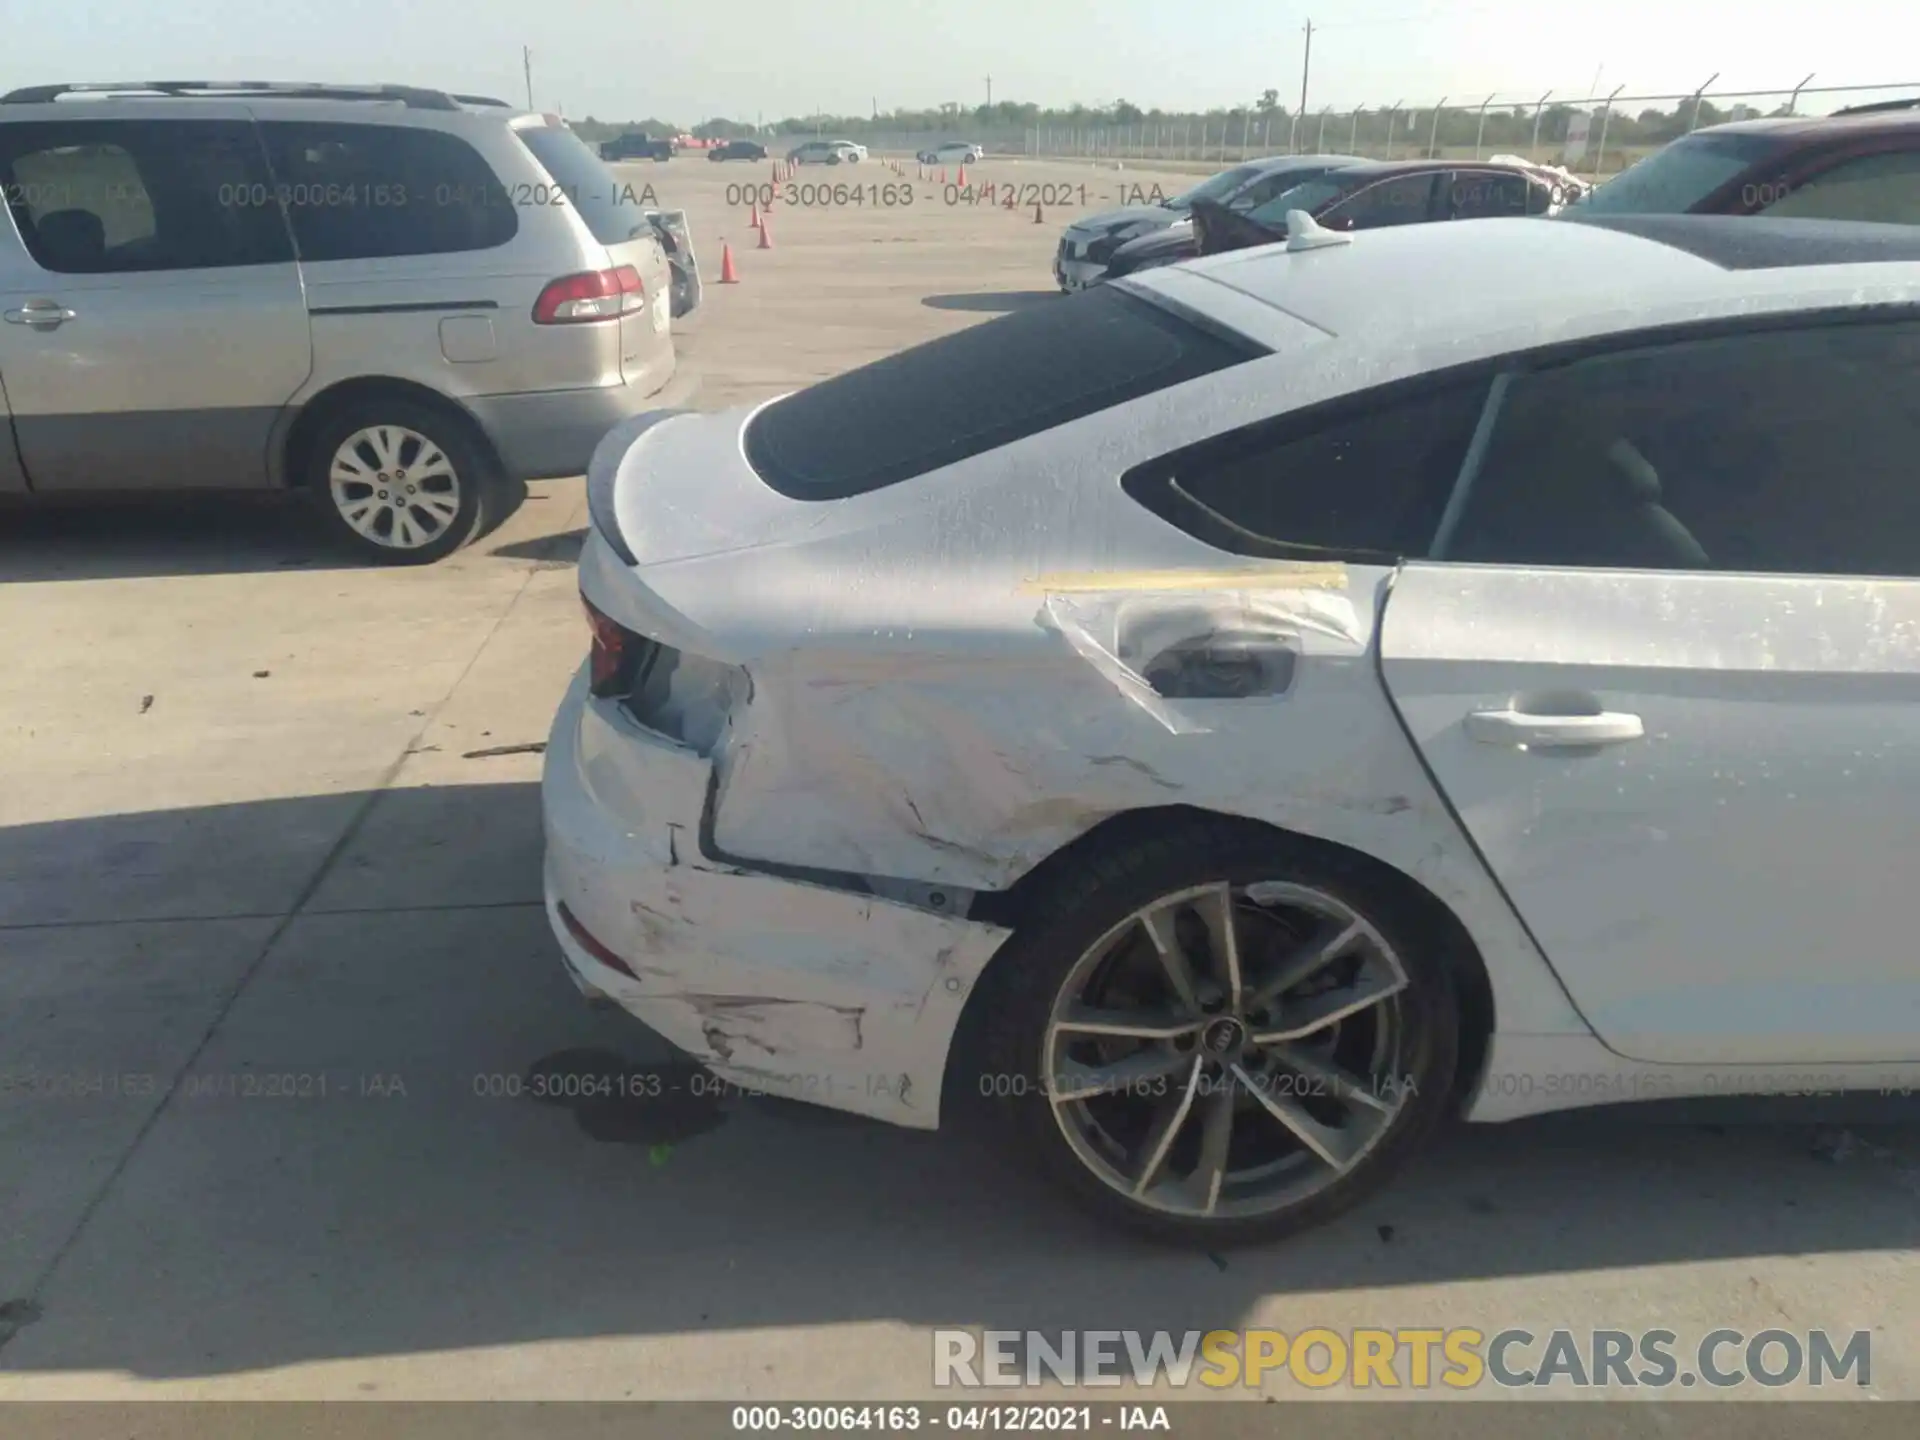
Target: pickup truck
637	145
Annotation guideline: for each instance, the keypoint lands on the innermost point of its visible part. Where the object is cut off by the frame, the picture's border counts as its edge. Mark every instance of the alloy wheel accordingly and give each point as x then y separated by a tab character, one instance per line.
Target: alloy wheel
1228	1050
394	486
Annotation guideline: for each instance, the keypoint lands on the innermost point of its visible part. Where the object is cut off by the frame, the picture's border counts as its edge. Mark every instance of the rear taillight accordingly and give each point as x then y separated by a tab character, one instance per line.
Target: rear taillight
616	650
591	295
588	942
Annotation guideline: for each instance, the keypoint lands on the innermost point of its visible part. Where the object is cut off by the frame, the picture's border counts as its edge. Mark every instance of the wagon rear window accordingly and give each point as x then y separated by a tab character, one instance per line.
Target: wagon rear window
974	391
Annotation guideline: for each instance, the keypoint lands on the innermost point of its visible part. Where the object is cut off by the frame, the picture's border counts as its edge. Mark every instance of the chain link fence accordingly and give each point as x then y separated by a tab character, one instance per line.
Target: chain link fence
1591	135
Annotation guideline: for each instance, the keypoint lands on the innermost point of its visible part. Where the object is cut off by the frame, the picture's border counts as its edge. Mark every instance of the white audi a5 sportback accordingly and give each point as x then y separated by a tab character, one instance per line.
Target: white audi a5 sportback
1225	721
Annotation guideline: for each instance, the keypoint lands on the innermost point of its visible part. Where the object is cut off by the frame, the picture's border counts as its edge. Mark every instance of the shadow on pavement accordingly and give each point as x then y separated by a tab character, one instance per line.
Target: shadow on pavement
123	537
299	1123
995	302
544	550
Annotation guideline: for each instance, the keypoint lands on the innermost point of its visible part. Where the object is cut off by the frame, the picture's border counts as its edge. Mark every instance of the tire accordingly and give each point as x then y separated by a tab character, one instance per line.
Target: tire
480	497
1402	1049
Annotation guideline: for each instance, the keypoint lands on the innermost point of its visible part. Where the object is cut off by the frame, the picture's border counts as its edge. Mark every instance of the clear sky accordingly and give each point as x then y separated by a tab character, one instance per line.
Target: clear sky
689	60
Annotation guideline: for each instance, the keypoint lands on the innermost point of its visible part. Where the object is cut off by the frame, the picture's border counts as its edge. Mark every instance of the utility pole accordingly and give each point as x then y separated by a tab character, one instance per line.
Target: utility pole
526	64
989	92
1305	60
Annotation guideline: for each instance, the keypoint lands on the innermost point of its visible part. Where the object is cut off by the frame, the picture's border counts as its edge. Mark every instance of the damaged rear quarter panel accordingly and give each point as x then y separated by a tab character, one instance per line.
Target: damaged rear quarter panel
948	673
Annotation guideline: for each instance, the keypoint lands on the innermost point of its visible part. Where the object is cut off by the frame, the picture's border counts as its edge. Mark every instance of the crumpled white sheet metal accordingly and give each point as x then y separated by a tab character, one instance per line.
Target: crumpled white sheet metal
1159	646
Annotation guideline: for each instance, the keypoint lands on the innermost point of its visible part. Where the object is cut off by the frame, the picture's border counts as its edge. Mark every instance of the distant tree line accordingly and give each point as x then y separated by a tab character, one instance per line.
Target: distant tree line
1507	125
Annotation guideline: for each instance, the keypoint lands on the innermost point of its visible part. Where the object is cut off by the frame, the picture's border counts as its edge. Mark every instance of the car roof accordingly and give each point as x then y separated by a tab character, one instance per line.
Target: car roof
1798	127
159	96
1303	162
1515	283
1380	169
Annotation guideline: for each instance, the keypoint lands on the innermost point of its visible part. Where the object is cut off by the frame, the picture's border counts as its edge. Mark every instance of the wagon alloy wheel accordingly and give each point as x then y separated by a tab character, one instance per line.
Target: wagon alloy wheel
395	487
1228	1050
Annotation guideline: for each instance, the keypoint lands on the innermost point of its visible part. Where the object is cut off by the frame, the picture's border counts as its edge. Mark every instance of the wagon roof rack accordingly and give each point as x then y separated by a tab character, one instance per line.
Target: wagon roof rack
412	96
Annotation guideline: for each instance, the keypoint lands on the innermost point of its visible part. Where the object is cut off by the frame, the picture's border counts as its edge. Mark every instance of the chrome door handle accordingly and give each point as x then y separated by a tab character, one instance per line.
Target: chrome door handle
41	314
1517	727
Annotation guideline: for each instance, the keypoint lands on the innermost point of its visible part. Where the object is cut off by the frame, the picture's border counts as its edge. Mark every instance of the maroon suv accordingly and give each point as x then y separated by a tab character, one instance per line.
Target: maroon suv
1859	164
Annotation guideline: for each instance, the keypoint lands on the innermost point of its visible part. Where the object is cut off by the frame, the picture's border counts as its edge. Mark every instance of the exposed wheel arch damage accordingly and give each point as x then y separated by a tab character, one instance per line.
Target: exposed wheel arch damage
1018	904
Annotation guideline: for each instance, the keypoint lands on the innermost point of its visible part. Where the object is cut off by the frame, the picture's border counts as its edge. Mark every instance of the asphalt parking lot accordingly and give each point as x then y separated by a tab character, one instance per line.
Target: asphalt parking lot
272	960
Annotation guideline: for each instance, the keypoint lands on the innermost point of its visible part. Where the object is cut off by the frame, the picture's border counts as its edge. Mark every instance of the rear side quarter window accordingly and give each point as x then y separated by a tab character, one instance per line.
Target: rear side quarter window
366	192
1363	479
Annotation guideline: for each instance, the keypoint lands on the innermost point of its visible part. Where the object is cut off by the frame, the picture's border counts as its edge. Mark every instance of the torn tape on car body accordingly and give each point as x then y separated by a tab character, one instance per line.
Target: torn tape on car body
1233	636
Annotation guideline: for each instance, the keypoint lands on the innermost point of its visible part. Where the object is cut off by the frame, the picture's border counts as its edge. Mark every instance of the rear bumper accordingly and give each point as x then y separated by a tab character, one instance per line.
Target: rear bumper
545	434
794	989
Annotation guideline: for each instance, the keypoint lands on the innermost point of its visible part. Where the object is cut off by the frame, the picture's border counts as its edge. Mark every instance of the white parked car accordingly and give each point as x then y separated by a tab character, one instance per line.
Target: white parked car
954	152
828	152
1263	706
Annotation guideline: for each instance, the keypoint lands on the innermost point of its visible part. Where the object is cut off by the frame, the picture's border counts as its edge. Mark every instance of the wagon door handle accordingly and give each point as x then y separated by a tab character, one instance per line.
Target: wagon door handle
41	314
1518	728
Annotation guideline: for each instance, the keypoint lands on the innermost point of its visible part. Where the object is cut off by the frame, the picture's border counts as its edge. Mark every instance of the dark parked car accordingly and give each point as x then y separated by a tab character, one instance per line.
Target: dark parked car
1366	196
1859	164
738	150
1087	245
637	145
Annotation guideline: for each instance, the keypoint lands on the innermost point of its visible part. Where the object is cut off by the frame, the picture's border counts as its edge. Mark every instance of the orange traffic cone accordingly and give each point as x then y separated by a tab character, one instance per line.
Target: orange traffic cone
943	174
766	235
776	172
728	275
753	215
961	181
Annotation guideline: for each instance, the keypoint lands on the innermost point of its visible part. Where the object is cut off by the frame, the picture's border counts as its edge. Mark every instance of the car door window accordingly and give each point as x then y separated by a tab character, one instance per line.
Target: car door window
1883	187
1369	479
1266	188
97	197
1402	200
1784	452
1483	194
364	192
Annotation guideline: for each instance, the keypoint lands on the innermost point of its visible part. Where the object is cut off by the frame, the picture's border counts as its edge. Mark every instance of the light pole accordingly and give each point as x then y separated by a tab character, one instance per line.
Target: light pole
526	64
1306	62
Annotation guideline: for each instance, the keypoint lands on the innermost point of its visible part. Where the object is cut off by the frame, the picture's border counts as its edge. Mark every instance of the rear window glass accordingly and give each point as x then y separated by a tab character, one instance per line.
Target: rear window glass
612	212
1674	180
967	393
